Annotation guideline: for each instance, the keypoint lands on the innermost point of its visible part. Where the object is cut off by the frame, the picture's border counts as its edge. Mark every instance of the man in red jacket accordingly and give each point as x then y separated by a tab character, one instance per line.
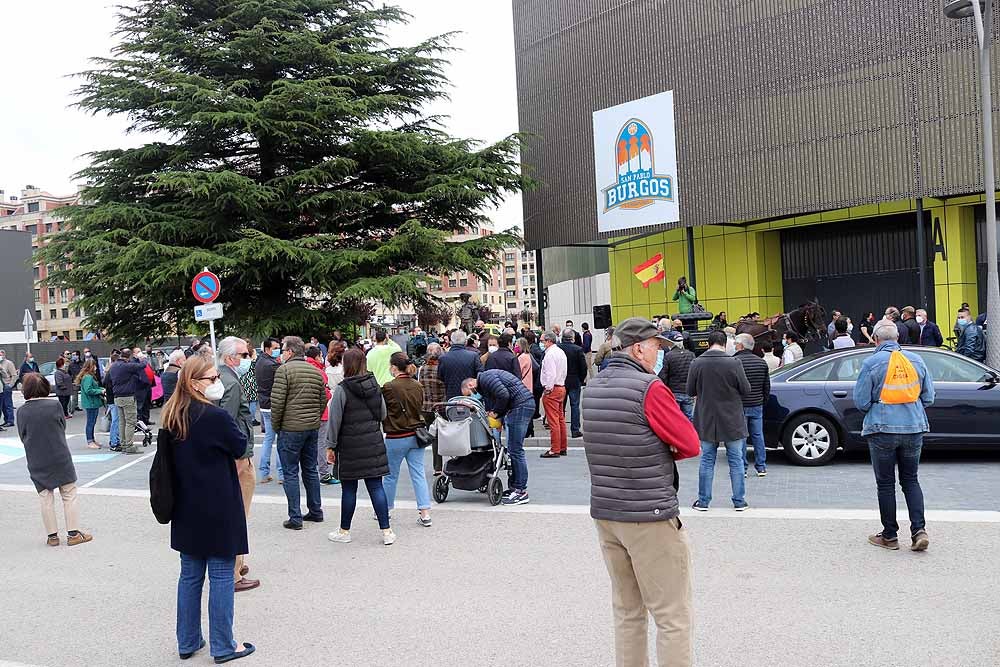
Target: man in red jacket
633	434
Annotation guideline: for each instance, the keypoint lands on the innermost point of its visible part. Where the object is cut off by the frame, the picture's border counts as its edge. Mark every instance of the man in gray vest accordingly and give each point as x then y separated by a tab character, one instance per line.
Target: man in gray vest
633	433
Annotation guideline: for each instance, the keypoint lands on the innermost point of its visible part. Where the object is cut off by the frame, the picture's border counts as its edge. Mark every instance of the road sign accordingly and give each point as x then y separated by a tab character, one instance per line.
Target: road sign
206	287
29	324
27	321
208	312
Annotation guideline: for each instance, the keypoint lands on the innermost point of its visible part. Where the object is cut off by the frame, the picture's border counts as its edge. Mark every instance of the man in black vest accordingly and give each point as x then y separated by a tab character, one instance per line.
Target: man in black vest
634	433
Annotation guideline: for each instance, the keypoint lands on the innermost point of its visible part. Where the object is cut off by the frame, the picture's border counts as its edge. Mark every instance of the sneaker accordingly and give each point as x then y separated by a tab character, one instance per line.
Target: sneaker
762	472
424	521
291	525
339	536
80	538
328	479
698	505
508	492
880	541
517	498
741	507
920	541
388	537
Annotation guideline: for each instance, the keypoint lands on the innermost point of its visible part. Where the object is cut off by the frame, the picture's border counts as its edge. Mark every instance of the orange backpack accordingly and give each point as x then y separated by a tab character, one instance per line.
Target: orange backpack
902	382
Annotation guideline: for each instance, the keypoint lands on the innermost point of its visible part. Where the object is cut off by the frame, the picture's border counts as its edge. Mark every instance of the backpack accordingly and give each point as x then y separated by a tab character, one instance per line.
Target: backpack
902	382
161	478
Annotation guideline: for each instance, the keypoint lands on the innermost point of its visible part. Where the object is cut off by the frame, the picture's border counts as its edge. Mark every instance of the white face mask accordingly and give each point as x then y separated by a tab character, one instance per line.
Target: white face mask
921	319
215	391
493	348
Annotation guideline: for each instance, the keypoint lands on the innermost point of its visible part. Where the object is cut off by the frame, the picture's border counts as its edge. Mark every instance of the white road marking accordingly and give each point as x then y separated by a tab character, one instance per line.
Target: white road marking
481	505
117	470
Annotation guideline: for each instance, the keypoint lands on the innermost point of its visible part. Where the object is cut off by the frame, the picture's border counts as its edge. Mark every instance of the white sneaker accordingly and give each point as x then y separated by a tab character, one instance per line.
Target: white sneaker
340	536
424	521
388	537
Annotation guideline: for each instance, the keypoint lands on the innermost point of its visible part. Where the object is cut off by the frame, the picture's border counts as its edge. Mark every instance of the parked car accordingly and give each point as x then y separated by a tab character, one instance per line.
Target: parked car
811	410
48	371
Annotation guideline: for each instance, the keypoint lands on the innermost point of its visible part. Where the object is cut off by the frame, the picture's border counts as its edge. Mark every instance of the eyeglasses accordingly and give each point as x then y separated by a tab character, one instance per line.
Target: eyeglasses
213	378
245	355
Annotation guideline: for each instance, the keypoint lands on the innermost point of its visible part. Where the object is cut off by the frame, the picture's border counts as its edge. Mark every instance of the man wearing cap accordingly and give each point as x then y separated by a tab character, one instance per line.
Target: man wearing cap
720	384
674	372
633	434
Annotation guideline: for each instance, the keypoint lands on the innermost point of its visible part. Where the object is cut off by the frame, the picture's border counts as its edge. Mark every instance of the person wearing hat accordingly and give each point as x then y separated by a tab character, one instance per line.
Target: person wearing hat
674	372
634	432
720	384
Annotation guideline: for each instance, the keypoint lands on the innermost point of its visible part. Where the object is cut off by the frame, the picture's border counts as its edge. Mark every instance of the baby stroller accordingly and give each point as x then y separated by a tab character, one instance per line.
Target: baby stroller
147	433
464	433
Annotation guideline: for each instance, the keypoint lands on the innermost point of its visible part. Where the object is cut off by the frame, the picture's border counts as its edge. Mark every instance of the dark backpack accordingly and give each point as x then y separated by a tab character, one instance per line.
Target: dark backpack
161	478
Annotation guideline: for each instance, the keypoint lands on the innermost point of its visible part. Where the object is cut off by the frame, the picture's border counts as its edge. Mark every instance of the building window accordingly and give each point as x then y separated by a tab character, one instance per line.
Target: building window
52	313
510	257
511	282
511	294
48	227
512	305
452	282
52	295
31	228
464	282
35	273
65	313
79	313
79	334
436	285
493	299
63	295
32	207
483	299
38	315
38	295
509	270
65	335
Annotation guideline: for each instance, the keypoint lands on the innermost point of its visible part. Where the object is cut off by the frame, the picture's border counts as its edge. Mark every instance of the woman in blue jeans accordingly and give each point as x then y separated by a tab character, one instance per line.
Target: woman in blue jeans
404	399
355	446
208	525
91	398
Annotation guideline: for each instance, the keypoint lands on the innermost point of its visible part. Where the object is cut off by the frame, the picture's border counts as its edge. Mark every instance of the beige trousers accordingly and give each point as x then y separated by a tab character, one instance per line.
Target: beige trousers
248	482
48	497
650	568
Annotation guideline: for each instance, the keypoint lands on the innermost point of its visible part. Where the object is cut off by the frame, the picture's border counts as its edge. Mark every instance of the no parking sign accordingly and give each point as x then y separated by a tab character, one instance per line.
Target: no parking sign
206	287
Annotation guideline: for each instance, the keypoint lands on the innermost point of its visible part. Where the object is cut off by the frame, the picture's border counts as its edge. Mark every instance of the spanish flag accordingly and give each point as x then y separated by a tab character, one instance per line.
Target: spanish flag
650	271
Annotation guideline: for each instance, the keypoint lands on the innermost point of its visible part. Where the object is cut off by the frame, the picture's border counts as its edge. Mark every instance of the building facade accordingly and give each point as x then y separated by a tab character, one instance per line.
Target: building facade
825	150
34	212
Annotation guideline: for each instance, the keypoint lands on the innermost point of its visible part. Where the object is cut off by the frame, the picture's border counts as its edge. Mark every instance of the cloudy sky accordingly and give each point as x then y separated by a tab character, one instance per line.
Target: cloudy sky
45	41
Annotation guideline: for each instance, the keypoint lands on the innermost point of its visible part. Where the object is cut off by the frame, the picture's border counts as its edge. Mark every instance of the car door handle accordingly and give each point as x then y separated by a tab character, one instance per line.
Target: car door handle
840	394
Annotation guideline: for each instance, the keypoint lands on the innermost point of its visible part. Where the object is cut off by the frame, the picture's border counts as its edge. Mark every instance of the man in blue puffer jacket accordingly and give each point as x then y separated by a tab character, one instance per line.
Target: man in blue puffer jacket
507	398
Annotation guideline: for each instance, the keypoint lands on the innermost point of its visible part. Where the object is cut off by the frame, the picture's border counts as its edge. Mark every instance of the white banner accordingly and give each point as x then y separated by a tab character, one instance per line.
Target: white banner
635	161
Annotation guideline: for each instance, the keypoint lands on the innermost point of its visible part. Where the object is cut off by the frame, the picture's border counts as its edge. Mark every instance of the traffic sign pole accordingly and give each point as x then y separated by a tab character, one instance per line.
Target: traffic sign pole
211	331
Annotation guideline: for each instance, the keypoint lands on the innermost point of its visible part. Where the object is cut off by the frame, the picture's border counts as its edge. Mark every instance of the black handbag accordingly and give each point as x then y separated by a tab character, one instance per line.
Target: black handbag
161	478
424	436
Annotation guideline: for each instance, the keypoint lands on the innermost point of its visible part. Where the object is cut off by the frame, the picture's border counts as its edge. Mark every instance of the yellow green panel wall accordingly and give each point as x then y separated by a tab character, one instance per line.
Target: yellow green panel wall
738	269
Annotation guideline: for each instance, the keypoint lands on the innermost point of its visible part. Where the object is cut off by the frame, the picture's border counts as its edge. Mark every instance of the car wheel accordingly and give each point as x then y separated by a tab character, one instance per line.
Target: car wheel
810	440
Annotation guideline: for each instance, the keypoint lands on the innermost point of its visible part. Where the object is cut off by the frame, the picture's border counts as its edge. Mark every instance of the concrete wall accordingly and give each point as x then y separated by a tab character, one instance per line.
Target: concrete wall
575	299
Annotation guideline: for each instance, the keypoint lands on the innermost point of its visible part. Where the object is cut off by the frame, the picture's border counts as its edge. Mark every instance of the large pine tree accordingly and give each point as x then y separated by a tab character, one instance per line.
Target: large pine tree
293	156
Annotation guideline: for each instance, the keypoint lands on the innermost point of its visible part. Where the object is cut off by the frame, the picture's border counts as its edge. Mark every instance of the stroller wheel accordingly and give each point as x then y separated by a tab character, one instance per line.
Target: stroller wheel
441	489
484	488
496	491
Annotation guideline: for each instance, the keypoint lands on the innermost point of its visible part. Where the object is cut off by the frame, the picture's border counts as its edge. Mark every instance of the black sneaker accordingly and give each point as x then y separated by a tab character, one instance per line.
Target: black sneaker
517	498
315	518
762	472
699	506
291	525
741	507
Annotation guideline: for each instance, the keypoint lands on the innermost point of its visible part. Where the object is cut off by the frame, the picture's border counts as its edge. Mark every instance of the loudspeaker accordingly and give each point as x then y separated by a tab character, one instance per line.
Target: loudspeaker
602	317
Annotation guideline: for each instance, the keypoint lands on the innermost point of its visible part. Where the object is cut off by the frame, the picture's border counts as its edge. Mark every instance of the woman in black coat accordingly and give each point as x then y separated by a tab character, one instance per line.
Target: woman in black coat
208	523
355	445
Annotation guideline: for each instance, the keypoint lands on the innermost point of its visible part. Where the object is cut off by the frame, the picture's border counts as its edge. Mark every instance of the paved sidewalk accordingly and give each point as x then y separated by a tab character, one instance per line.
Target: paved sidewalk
488	587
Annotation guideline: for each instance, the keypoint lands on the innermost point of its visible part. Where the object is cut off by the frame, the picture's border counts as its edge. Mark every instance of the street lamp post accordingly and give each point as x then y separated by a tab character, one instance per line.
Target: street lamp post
982	11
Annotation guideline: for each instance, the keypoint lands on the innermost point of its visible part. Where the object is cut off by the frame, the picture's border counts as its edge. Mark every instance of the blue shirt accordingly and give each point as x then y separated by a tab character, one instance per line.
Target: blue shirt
891	418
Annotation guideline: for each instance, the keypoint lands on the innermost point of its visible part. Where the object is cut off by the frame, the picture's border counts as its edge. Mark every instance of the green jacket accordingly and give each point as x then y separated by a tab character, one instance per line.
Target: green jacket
91	393
685	300
298	397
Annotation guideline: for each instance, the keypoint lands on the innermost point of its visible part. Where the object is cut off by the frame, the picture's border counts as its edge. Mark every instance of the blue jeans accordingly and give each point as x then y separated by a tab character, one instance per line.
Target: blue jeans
686	404
220	604
517	421
573	397
706	473
7	405
264	464
91	422
399	449
115	437
253	410
298	449
887	451
349	501
755	424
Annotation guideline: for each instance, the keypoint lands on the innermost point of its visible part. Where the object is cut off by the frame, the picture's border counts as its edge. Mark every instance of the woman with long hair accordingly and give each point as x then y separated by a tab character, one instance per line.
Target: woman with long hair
355	445
91	398
404	400
208	525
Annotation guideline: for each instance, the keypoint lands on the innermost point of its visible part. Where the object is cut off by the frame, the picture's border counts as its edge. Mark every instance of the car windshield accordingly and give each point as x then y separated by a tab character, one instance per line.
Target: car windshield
782	370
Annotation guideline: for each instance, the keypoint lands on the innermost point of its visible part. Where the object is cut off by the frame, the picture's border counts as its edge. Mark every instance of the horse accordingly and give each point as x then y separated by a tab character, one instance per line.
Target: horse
808	321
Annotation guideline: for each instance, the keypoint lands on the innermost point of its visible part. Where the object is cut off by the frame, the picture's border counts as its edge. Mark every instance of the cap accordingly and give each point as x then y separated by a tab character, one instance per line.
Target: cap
635	330
675	337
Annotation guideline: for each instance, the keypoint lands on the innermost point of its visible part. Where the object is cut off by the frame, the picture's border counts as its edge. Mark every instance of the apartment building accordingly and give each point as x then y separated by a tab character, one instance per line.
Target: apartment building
33	212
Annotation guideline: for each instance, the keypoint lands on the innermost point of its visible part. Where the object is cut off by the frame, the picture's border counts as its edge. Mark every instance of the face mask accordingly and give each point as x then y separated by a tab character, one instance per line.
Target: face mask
921	319
493	348
477	396
244	366
215	391
275	353
962	321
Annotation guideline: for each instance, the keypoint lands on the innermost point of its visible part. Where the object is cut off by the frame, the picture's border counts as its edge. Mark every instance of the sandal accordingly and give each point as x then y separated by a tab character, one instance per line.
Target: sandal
247	650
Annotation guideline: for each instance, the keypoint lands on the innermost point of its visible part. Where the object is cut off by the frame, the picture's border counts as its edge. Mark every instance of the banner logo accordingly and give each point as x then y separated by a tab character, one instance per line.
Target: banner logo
638	185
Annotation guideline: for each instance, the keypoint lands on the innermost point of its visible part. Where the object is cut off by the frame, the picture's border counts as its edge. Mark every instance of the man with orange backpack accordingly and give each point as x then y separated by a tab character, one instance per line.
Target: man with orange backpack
893	390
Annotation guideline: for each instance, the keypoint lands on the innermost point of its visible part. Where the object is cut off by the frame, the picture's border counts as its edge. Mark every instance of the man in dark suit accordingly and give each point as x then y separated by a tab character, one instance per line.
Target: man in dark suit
577	338
930	333
459	363
232	355
576	378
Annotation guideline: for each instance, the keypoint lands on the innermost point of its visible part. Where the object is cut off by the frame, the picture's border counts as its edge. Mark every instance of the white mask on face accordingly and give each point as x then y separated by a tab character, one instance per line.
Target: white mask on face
215	391
493	348
921	319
